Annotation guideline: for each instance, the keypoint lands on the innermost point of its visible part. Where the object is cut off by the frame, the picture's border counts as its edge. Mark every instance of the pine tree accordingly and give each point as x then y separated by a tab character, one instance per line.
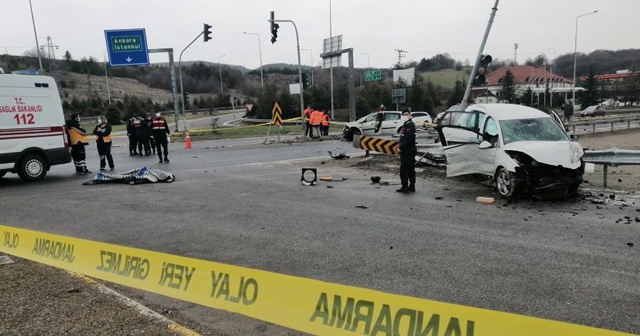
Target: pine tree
590	95
508	90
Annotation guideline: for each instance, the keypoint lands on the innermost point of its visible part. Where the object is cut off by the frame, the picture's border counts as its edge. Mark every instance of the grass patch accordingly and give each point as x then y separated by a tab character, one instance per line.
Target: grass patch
444	77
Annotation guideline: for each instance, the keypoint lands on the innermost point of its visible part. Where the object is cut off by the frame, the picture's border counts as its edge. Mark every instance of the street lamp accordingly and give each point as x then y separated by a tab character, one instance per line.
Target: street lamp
220	71
555	56
260	51
368	59
575	57
35	33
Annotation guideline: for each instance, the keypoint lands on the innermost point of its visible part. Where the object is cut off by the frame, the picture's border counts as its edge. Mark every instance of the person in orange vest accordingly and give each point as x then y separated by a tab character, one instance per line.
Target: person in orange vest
316	121
325	123
307	117
103	142
77	139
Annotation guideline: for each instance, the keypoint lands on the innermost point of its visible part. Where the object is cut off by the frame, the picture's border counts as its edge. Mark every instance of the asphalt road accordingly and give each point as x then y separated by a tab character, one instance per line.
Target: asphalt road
563	260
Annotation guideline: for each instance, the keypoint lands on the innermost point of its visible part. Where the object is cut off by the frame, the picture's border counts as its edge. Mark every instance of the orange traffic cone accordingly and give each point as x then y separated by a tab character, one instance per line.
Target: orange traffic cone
187	141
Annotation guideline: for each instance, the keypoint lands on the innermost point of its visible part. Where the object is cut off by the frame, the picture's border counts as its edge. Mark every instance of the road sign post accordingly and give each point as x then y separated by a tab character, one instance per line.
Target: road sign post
373	75
127	47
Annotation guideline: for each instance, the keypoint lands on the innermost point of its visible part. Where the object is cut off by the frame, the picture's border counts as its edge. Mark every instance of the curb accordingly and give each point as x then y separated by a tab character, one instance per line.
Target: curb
143	310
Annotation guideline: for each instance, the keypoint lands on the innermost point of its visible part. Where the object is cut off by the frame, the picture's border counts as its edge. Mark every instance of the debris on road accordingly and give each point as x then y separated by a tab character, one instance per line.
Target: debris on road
5	260
339	156
485	200
375	179
362	206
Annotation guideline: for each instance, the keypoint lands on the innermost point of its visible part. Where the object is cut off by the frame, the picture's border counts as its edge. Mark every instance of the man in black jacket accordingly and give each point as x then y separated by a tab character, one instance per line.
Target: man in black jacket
407	150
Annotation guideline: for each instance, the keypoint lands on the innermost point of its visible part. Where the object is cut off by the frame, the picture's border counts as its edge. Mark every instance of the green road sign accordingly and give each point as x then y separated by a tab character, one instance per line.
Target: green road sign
126	43
373	75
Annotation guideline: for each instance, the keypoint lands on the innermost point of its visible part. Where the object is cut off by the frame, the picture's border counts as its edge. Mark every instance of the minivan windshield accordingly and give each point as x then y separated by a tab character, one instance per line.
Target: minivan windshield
534	129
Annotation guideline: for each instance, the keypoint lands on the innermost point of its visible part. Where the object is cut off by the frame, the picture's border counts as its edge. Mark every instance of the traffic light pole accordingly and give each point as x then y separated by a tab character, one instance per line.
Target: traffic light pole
299	65
474	71
184	116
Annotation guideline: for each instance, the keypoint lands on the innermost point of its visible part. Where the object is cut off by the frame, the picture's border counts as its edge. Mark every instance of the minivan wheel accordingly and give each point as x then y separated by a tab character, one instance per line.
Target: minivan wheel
32	168
505	183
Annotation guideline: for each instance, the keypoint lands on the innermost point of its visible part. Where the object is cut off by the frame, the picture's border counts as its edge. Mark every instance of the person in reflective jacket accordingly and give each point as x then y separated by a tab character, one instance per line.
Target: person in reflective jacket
77	139
160	133
407	150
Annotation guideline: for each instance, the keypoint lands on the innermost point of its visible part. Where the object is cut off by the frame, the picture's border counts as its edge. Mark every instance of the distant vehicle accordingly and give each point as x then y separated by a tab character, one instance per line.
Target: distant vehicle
523	149
381	123
32	126
593	110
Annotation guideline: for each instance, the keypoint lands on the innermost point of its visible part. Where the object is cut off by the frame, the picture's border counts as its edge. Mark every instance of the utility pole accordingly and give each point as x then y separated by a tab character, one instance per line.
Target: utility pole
35	33
515	53
401	55
50	51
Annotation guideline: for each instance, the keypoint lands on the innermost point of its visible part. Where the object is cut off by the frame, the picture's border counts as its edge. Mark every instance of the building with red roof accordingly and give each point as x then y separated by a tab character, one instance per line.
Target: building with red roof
529	77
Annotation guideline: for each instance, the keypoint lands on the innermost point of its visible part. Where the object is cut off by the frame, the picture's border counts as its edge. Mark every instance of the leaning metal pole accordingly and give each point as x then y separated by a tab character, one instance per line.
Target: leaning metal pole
467	92
181	88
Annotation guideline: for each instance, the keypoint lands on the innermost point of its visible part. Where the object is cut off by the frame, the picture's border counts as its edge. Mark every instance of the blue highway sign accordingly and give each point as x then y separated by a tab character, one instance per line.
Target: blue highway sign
127	47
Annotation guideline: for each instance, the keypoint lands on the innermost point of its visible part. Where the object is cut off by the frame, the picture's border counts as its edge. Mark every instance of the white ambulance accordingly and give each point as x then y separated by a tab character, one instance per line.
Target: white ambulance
32	126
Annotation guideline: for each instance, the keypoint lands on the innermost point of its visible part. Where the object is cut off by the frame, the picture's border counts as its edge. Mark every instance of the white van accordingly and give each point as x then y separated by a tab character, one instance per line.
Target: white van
32	126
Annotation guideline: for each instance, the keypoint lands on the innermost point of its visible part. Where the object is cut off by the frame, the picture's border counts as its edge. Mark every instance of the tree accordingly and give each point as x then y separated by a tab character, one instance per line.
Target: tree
457	95
508	90
526	99
113	115
67	57
590	95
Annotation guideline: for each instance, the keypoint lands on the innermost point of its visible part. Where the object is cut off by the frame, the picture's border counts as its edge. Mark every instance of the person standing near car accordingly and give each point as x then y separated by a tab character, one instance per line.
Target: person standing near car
131	134
407	150
568	110
160	133
103	142
77	139
307	124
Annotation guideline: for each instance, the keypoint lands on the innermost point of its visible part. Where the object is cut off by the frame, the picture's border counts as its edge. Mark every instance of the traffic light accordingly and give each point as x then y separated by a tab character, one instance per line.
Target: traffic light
480	78
305	80
207	32
274	29
185	96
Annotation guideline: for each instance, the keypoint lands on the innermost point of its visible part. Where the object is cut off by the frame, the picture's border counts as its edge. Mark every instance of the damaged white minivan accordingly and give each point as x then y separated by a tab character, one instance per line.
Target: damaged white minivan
524	150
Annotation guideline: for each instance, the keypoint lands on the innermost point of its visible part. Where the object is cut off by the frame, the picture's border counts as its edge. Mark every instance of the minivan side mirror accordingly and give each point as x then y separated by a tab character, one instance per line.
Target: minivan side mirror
485	145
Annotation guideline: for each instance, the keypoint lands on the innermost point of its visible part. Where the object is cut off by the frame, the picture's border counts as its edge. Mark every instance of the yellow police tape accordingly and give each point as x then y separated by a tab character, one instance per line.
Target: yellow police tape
308	305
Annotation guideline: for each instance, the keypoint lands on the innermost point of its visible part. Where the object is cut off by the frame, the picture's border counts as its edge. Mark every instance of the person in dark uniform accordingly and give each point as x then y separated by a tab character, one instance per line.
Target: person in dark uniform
103	142
160	132
152	142
78	139
142	138
131	134
407	150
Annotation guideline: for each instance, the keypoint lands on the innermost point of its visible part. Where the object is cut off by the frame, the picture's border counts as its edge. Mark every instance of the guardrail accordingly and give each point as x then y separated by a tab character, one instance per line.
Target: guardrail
606	120
612	158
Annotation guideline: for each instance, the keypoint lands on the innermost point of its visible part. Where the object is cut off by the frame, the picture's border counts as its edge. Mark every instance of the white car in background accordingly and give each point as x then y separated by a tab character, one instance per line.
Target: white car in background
381	123
524	150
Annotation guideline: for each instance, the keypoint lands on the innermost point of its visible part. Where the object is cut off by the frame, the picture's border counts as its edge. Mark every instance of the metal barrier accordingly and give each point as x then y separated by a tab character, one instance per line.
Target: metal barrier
612	158
607	120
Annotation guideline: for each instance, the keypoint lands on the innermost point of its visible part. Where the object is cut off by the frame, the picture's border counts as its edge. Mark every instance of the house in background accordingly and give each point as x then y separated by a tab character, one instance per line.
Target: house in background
483	96
528	77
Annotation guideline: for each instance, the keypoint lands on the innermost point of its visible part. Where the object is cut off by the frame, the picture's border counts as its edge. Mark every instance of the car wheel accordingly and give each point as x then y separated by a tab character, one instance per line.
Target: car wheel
347	134
32	168
505	183
573	188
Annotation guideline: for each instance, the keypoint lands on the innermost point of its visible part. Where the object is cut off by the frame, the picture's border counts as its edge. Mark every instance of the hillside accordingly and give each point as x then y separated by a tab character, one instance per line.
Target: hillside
118	88
446	78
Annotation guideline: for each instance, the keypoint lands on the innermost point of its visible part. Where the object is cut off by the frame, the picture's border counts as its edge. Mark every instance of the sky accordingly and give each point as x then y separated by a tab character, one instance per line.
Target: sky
375	29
